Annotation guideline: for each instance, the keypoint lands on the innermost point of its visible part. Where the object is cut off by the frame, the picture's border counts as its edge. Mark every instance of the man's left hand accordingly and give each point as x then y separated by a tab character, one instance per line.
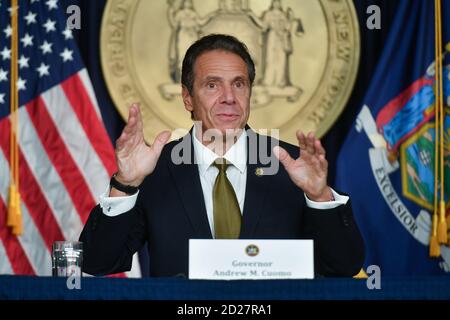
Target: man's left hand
309	171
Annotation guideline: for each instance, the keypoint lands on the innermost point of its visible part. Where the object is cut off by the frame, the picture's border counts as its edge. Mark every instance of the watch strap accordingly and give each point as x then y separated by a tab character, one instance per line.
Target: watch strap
122	187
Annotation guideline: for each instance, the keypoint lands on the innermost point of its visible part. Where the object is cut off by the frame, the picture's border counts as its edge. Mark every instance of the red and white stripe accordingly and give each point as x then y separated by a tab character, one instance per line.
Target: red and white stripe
66	159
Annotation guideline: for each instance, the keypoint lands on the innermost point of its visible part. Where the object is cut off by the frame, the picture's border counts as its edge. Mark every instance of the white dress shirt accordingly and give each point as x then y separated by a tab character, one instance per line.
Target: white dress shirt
236	173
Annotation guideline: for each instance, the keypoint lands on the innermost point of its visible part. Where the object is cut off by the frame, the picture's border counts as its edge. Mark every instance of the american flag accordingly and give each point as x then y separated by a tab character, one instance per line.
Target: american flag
65	155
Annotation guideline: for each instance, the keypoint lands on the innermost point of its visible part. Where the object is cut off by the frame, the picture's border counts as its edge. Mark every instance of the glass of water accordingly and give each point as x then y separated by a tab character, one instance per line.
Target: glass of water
67	258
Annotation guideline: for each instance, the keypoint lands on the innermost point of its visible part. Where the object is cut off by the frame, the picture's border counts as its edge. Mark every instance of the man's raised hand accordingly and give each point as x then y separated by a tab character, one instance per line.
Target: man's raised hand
309	171
135	159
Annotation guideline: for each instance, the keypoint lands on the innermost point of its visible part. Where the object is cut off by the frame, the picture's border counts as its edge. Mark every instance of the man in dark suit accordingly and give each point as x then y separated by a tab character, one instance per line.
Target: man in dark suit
215	182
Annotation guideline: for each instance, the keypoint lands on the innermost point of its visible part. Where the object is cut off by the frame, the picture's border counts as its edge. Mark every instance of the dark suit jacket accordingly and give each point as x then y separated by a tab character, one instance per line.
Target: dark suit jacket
170	210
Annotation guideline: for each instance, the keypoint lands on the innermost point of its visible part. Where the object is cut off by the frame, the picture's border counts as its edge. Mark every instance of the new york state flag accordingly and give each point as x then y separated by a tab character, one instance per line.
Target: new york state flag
387	163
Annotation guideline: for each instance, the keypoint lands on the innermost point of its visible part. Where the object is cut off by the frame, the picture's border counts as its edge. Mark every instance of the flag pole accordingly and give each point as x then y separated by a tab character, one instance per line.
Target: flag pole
442	225
434	243
14	219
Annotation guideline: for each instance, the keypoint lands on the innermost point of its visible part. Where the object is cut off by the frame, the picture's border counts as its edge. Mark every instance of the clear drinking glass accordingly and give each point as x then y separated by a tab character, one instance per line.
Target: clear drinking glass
67	258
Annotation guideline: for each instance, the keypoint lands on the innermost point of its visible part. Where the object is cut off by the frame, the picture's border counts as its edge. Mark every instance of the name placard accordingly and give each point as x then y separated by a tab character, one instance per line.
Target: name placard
251	259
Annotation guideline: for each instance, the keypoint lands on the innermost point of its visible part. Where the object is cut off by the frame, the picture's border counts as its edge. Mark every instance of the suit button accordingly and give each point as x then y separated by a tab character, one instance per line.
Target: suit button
94	223
345	220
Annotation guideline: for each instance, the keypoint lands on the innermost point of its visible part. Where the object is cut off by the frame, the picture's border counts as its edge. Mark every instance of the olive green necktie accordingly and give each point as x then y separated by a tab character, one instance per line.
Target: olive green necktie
227	215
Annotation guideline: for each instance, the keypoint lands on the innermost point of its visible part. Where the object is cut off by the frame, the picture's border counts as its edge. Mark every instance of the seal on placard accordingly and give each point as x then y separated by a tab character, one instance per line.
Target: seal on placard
252	250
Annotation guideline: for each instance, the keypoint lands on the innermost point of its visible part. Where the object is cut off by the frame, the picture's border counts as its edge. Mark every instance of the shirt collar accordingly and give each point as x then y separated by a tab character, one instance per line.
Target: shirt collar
236	155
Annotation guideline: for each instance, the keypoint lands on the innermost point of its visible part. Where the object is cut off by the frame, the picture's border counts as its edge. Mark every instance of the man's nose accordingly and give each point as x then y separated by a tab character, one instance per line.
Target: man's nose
228	95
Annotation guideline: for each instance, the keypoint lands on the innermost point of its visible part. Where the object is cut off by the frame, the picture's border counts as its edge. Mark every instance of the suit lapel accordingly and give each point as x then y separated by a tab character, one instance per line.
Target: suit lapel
255	191
187	181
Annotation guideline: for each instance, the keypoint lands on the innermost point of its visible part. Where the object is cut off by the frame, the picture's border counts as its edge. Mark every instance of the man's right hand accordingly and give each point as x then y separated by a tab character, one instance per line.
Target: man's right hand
135	159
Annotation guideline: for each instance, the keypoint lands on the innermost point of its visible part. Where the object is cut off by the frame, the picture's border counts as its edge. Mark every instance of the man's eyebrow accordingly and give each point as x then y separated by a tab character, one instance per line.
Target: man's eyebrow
240	78
212	78
218	78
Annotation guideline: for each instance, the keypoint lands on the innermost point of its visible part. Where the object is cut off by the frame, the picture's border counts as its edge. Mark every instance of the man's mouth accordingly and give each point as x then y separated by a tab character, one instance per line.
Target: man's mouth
227	116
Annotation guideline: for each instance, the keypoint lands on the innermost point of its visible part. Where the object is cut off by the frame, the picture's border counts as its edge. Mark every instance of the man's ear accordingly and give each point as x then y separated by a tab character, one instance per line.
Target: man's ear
187	99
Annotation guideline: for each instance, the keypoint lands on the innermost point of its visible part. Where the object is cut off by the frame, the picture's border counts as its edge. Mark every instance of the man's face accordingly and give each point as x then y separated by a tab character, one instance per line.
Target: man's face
221	95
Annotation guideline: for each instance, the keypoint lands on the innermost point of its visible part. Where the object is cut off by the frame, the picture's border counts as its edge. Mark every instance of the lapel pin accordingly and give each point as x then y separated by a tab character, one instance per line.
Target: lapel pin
259	172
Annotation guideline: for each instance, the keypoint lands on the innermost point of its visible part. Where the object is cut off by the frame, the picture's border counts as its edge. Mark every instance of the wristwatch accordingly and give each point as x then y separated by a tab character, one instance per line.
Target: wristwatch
122	187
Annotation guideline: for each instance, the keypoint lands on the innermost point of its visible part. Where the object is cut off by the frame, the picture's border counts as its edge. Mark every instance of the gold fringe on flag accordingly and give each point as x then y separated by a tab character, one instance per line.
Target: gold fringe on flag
361	275
14	219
